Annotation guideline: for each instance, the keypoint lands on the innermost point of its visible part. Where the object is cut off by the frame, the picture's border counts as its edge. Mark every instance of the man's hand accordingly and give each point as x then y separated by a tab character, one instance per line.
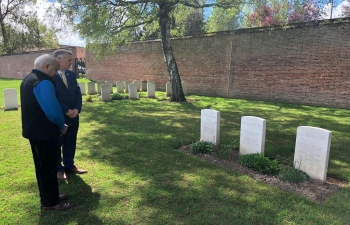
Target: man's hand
75	113
72	113
64	130
69	113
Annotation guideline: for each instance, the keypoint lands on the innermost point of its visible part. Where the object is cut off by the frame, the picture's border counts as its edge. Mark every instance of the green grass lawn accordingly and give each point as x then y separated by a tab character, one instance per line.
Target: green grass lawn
136	175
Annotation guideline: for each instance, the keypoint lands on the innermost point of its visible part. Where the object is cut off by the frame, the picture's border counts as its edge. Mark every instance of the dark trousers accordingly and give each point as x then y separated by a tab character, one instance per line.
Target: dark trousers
68	143
45	158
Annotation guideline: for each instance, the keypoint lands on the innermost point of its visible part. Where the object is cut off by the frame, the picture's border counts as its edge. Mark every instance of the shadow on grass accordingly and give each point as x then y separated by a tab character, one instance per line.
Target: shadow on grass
85	202
141	137
6	110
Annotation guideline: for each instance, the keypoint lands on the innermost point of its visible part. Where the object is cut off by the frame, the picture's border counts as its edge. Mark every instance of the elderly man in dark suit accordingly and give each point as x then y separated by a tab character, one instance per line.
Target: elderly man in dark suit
70	99
43	124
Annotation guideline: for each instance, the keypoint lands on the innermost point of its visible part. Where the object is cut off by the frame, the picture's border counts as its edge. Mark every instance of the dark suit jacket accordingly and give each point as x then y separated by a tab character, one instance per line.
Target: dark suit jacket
69	98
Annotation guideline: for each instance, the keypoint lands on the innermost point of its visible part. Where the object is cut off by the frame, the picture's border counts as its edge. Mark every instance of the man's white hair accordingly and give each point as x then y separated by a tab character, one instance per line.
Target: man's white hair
42	60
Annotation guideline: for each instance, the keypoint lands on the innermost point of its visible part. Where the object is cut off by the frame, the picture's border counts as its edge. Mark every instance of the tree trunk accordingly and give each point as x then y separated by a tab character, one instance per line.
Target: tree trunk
4	37
174	77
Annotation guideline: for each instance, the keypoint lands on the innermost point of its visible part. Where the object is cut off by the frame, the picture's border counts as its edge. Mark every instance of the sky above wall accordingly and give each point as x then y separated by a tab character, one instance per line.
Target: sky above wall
71	37
68	36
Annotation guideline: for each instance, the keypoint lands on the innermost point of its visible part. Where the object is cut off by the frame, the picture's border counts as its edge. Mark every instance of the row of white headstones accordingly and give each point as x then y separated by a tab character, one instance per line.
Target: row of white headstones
312	144
103	88
106	88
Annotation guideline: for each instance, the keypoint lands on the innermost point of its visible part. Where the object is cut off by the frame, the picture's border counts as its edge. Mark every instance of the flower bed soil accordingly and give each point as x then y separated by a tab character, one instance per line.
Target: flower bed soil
312	189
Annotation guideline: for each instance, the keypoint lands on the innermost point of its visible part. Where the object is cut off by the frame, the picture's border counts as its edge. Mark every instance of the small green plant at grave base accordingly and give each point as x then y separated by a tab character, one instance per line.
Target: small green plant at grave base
284	160
88	98
225	150
259	163
291	174
117	97
202	147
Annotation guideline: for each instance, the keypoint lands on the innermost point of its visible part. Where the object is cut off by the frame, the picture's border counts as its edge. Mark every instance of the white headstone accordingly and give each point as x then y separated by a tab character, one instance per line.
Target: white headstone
151	90
144	85
312	149
168	89
126	85
184	87
91	88
132	91
138	85
99	84
10	98
111	84
252	137
106	93
210	126
120	87
82	88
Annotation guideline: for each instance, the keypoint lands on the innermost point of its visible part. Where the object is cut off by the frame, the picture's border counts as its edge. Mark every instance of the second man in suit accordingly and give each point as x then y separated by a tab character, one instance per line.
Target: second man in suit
70	99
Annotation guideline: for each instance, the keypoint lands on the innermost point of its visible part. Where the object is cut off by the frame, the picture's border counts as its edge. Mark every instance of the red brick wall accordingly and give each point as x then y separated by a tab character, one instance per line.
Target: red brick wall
18	66
201	61
80	52
306	63
309	65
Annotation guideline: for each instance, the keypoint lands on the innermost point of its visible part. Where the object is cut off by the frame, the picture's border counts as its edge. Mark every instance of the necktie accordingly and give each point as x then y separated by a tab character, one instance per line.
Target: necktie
63	74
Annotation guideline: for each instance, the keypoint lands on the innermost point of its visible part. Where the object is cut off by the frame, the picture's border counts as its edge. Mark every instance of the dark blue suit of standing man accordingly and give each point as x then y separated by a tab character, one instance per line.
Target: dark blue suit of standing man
70	99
